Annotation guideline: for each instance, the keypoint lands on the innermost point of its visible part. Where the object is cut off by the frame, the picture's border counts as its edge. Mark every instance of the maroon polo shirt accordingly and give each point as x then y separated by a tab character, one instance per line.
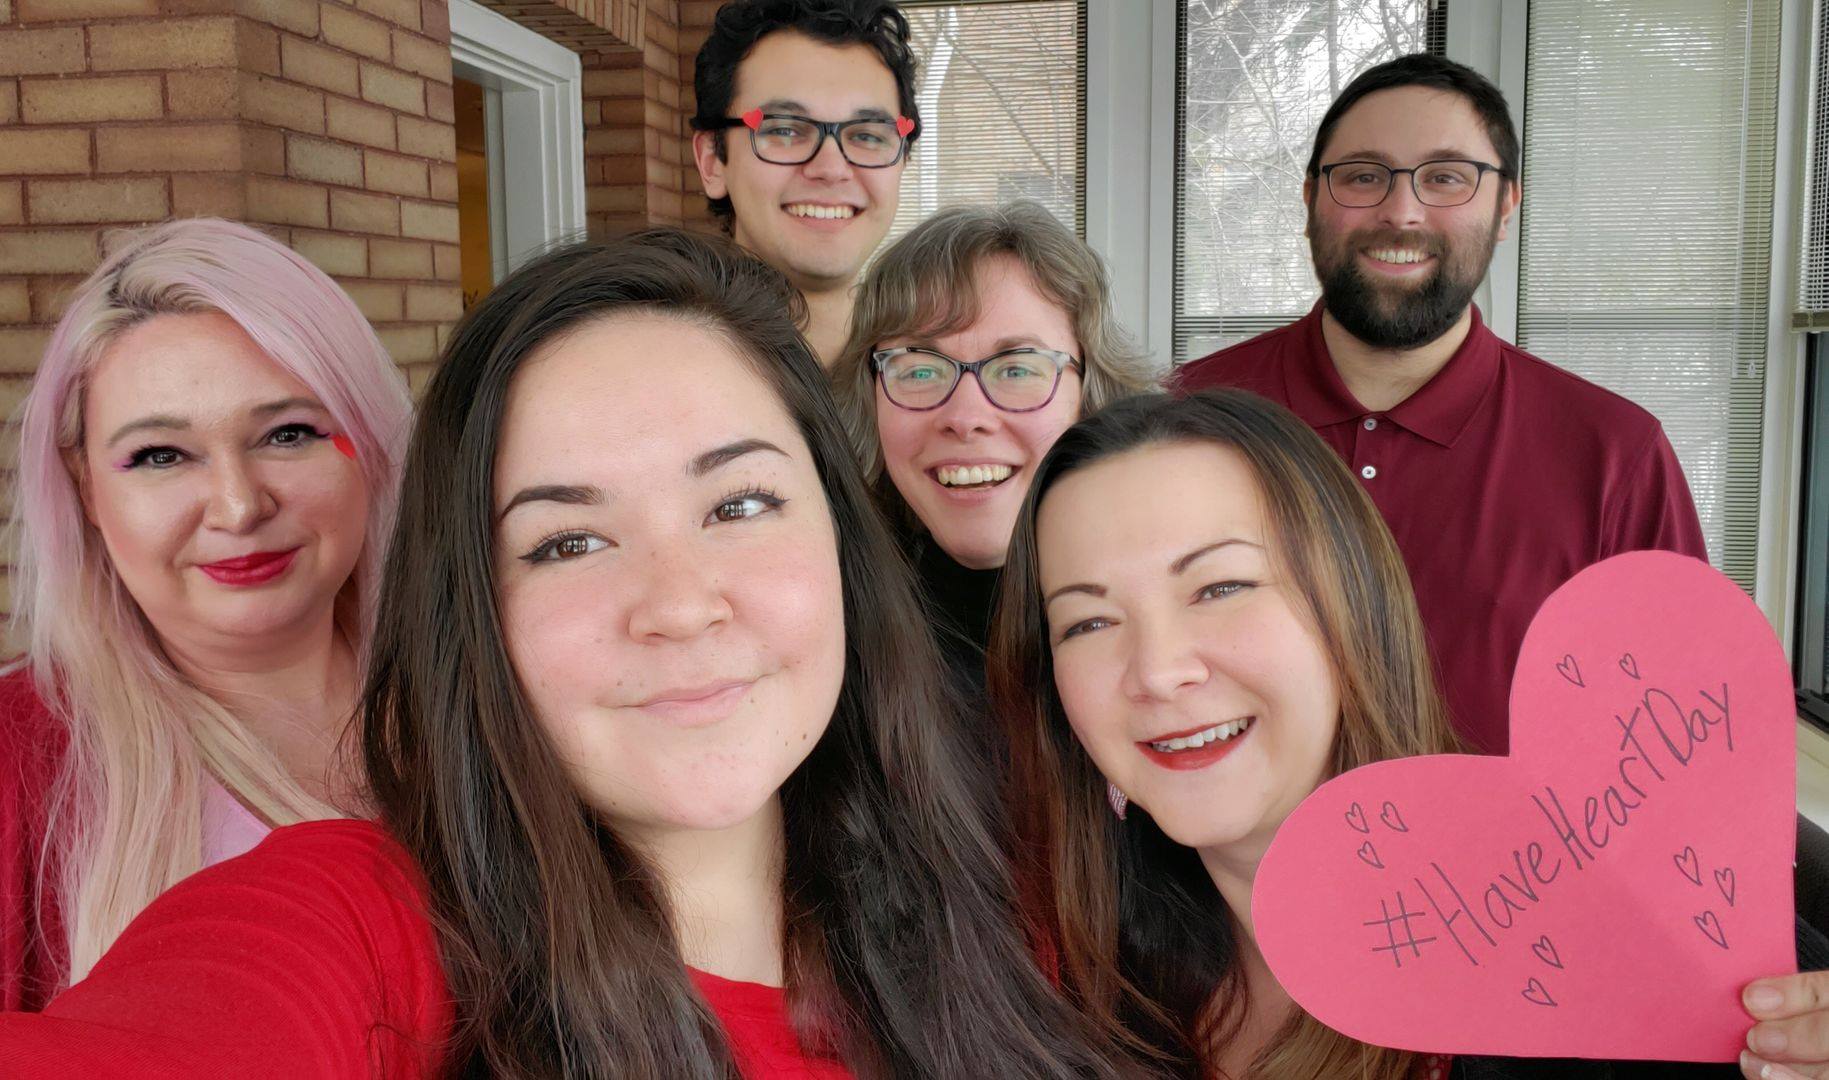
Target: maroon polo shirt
1501	478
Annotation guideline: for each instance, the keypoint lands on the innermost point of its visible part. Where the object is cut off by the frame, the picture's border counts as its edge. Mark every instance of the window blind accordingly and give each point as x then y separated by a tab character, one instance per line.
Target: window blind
1253	78
1813	298
1650	131
1003	106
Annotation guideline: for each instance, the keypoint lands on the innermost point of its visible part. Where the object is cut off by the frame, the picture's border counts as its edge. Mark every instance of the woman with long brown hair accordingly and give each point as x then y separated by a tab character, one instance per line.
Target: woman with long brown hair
668	784
1204	618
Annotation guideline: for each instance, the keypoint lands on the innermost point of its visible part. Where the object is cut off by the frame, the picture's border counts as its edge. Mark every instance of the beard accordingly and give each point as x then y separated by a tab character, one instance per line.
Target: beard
1401	315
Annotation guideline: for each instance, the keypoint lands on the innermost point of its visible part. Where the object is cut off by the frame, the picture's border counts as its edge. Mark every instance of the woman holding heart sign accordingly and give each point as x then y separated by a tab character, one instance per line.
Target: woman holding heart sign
1204	618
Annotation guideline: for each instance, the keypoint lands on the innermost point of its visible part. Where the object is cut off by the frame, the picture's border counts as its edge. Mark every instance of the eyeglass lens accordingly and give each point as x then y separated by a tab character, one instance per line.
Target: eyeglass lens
1016	381
1436	183
788	141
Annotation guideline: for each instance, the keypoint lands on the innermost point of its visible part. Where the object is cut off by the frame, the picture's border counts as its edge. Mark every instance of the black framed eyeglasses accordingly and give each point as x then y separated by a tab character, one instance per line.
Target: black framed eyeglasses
1447	182
1014	380
786	139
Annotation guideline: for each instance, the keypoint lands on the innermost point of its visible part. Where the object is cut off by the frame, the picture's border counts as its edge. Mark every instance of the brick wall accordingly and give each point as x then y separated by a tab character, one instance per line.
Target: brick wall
638	147
326	123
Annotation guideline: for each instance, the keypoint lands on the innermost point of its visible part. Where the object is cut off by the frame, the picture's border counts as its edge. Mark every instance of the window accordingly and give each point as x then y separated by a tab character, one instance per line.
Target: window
1812	644
1002	97
1813	580
1253	79
1646	237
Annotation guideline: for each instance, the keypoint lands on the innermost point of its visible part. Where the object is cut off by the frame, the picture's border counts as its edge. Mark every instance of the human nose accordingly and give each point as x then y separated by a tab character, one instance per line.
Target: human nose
239	499
828	161
969	411
681	597
1401	208
1162	662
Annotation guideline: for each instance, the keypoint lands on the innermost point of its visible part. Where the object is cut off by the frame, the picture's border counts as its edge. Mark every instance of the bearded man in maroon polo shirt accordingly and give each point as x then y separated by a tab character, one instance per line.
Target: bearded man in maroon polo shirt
1500	475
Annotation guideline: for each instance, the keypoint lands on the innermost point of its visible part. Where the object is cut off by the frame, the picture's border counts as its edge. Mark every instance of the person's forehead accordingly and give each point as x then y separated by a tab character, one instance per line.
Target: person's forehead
788	66
1407	124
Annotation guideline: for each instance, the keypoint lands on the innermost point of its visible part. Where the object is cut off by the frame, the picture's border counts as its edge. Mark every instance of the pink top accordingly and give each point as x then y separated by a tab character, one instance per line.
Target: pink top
229	828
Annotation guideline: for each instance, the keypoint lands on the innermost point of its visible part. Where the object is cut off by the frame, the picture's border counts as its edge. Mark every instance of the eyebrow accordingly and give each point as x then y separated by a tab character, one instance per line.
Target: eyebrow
712	460
167	422
567	494
801	109
591	495
1439	153
1178	567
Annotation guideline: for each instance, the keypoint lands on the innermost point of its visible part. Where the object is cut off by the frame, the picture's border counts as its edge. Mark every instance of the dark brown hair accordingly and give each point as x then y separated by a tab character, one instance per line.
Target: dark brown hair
901	952
1143	946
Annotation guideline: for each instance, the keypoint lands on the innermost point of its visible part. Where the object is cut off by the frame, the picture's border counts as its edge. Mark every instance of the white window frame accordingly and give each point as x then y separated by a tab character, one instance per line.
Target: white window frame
534	88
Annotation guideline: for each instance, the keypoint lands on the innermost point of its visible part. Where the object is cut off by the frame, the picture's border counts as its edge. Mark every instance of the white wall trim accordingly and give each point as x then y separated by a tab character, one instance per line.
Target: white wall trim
1781	454
1130	161
1493	38
542	125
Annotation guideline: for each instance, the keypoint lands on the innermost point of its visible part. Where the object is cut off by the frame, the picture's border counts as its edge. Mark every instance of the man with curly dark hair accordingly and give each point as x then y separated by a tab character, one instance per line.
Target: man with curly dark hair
806	113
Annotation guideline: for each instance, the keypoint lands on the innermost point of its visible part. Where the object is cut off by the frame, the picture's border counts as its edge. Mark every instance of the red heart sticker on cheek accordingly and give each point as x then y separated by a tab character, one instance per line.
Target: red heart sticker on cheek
1603	892
752	119
342	443
903	125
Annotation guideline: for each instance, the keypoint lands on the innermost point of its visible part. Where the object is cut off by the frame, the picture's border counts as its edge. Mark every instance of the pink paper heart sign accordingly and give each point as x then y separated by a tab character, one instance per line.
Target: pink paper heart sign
1604	892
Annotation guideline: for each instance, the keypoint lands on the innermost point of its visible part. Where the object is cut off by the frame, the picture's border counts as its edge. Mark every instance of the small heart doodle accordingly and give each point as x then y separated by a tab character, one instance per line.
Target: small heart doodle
1355	816
1546	952
1724	880
1369	855
1686	862
1536	994
1711	928
1629	665
1570	670
1392	819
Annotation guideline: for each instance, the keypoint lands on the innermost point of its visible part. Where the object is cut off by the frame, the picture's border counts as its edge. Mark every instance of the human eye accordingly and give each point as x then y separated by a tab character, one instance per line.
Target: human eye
1363	175
564	546
867	135
155	457
1082	628
295	435
1219	590
741	505
918	372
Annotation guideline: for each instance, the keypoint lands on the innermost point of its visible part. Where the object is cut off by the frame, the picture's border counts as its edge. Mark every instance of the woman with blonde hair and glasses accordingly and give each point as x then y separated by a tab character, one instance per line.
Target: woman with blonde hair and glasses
976	340
207	464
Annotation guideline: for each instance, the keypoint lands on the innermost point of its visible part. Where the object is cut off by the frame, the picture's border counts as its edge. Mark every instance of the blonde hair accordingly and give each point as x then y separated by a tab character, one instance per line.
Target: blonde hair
125	817
927	283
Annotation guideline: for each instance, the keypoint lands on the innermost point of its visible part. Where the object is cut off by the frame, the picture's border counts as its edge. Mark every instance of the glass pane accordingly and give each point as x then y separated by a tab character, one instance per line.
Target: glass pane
1002	114
1665	303
1255	77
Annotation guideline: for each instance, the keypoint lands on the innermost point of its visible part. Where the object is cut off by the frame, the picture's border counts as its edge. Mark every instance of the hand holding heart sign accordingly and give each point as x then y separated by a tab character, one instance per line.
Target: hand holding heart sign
1606	890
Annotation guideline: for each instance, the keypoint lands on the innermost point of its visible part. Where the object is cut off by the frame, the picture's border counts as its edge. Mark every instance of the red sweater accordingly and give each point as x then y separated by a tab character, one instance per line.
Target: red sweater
31	751
310	956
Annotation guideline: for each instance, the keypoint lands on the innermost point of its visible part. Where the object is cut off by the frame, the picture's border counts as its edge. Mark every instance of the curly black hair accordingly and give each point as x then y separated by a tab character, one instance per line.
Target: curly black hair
742	23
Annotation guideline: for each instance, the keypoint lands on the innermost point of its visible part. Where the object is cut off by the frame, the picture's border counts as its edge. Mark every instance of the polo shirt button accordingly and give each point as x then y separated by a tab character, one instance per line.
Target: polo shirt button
1371	423
1369	471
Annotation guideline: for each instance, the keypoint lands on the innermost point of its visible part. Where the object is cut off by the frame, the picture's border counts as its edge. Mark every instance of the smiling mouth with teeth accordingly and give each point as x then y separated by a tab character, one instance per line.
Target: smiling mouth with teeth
812	210
1217	733
1398	255
972	476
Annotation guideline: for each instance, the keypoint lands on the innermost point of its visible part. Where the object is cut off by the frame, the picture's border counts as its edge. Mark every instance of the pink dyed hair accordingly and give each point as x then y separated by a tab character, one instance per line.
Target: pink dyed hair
296	314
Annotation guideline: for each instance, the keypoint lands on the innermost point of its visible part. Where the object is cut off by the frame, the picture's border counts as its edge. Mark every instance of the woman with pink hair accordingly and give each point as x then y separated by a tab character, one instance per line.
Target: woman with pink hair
207	469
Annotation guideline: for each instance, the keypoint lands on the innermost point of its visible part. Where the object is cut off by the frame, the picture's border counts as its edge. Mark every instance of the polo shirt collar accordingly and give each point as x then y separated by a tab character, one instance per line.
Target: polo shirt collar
1439	411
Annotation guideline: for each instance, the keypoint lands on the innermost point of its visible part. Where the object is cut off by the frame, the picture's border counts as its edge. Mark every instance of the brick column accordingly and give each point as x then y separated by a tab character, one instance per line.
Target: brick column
326	123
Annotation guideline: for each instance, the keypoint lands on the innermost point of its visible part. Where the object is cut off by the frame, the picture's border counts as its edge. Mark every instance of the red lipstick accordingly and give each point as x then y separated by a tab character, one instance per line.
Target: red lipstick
256	569
1182	760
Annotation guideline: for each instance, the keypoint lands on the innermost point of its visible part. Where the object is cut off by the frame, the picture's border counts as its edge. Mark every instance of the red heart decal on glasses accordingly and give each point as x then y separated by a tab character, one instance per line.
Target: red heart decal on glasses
1688	754
903	125
753	119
